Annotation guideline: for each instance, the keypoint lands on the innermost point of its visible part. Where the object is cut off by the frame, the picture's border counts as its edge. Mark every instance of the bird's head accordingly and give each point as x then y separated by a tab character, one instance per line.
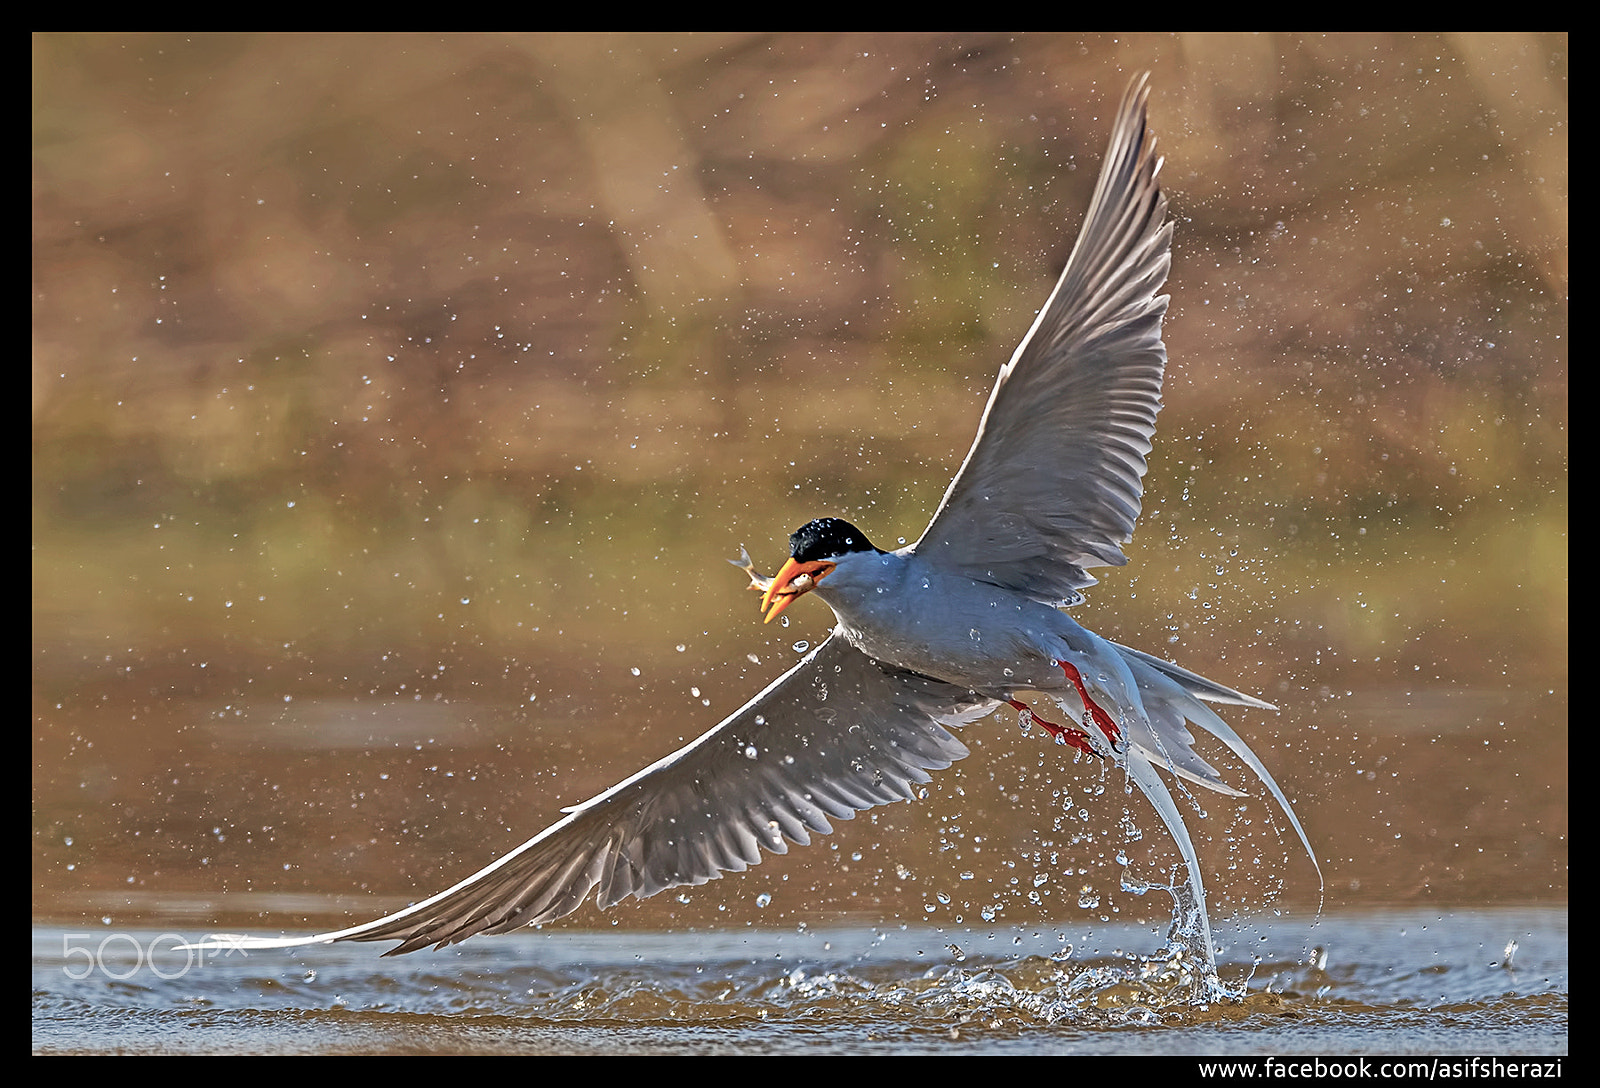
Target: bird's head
814	552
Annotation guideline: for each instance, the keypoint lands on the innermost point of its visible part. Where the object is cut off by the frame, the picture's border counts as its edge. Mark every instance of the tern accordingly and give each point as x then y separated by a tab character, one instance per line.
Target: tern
930	637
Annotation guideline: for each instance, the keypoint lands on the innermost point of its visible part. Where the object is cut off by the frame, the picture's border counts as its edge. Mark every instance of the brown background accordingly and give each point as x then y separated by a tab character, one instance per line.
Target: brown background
395	401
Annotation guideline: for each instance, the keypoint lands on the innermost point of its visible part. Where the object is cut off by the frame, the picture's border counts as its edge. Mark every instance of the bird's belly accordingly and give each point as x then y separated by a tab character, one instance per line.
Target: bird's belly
992	642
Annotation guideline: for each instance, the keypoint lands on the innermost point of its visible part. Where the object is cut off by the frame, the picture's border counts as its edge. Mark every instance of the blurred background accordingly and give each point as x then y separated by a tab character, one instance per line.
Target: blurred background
396	401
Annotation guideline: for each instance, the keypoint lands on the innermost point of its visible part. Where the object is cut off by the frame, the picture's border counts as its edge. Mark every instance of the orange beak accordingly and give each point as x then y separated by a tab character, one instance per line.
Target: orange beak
791	583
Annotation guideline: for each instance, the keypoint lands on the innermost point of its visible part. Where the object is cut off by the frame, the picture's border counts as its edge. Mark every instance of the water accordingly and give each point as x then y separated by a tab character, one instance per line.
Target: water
1479	981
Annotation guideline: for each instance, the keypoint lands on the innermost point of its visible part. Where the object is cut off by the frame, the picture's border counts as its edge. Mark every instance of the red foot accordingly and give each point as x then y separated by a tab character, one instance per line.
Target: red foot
1101	718
1064	734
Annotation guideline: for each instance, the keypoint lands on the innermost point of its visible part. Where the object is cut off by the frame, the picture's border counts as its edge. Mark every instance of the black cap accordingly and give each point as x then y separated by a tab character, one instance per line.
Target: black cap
828	537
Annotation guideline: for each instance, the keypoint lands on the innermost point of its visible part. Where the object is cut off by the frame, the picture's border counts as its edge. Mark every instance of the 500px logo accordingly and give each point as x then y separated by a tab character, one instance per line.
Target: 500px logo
121	955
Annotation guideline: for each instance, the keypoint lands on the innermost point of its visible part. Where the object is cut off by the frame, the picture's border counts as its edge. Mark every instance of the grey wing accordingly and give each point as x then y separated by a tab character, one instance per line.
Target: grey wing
1054	481
837	733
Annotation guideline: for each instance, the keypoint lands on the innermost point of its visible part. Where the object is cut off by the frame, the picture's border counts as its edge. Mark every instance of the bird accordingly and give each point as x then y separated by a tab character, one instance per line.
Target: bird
930	637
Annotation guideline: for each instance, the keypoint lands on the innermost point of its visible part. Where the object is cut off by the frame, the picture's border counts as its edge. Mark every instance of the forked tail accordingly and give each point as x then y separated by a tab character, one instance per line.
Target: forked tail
1172	697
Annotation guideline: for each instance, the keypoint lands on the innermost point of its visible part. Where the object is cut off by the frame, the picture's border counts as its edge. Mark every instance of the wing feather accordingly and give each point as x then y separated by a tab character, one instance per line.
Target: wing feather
836	734
1055	479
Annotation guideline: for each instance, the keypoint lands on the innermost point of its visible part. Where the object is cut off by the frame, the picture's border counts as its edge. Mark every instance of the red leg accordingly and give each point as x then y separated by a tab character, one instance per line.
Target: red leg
1064	734
1101	718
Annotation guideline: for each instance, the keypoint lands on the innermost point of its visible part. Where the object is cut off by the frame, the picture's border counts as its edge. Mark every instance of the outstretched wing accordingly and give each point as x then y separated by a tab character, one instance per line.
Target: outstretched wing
837	733
1054	480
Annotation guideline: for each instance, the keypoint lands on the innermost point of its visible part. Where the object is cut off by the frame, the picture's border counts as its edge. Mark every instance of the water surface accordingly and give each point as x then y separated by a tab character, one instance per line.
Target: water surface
1408	982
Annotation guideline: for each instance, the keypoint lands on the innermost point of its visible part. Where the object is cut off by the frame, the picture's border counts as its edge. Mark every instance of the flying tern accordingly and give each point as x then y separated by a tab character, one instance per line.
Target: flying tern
931	636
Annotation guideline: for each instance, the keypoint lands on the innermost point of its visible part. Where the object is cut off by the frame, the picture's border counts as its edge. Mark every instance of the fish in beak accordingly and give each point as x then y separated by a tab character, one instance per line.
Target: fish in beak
793	581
